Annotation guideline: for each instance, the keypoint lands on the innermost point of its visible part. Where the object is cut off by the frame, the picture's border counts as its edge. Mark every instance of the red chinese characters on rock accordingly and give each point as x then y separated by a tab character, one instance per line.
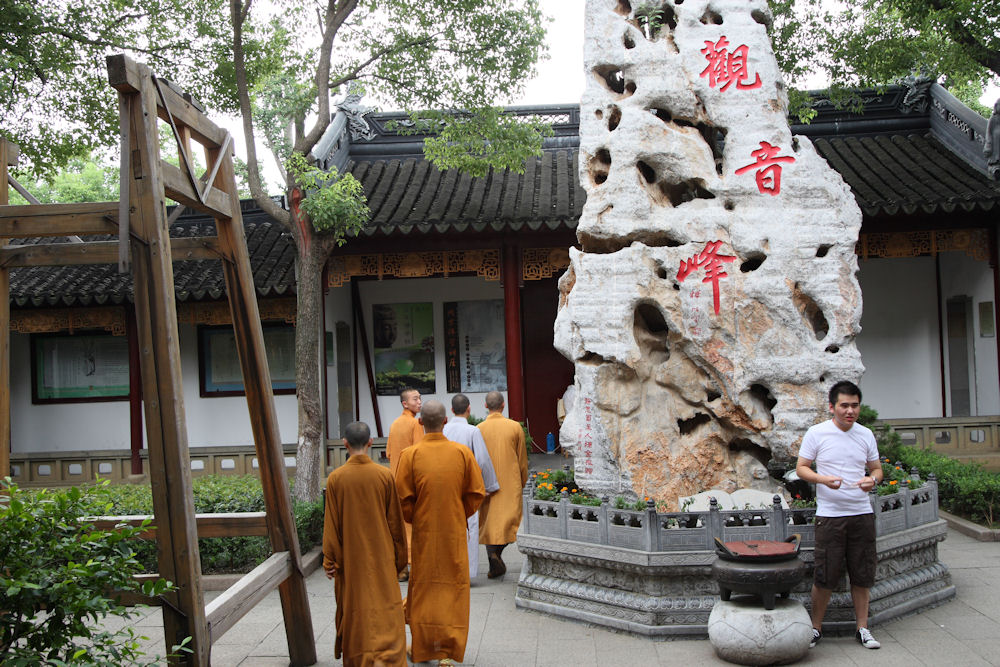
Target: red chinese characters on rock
727	67
768	168
712	262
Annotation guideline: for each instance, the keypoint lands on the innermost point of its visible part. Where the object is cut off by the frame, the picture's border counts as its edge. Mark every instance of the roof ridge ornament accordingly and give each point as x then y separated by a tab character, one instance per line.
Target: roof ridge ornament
991	145
917	98
357	124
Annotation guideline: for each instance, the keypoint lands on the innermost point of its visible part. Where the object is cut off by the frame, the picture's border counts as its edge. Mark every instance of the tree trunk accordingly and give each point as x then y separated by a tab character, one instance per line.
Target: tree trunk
313	250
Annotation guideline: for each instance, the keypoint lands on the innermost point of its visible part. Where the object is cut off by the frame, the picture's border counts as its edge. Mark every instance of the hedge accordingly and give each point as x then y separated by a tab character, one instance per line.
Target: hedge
216	494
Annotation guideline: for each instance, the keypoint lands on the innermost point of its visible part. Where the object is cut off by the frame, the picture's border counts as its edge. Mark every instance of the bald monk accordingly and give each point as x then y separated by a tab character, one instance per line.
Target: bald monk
440	486
404	432
500	514
364	549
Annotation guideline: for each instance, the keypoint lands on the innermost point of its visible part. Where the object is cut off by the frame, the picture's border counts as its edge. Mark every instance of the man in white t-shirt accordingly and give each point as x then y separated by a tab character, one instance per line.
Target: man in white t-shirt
847	469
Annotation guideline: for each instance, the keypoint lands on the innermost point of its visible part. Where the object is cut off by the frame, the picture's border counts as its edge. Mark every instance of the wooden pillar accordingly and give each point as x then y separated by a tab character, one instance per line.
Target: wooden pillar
511	277
264	418
159	356
7	157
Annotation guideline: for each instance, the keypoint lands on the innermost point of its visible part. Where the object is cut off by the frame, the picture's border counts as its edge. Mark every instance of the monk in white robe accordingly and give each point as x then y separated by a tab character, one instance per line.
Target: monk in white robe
364	549
458	429
500	514
440	486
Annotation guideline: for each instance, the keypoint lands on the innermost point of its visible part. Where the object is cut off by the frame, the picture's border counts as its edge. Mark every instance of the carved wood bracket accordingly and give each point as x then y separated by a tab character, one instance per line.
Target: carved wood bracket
973	242
49	320
538	263
484	263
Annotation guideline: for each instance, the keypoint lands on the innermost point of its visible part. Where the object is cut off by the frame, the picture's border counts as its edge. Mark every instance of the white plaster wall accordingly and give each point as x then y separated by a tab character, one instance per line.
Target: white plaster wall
963	276
213	421
59	427
416	290
899	341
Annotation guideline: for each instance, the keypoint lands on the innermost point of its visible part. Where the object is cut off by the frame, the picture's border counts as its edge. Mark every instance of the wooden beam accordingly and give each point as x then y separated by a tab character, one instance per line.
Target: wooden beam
8	156
236	524
162	388
58	219
178	187
264	419
100	252
224	611
124	75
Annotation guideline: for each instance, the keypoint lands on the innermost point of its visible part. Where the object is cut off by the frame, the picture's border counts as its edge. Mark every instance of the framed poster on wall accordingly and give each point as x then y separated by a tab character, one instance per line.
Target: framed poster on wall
475	350
403	340
70	368
219	372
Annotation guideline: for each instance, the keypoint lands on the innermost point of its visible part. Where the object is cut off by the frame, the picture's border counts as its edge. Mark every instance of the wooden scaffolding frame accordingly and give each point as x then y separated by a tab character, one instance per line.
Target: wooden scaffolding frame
145	248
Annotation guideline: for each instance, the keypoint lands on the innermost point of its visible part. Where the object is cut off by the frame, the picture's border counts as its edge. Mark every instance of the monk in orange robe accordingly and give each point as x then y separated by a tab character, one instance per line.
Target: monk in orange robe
500	514
440	486
404	432
364	549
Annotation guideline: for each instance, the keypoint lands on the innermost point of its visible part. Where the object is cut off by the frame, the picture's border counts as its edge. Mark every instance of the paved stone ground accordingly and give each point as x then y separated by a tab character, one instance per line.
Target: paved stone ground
963	632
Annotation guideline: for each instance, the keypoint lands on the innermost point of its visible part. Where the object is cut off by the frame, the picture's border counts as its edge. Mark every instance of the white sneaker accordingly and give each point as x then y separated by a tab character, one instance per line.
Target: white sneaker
865	638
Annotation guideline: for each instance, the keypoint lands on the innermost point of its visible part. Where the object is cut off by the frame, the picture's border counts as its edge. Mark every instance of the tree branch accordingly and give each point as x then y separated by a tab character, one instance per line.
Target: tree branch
253	166
988	58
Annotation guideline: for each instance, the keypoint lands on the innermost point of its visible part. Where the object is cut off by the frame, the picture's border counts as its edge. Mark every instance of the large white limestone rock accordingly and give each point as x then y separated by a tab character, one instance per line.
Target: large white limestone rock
708	310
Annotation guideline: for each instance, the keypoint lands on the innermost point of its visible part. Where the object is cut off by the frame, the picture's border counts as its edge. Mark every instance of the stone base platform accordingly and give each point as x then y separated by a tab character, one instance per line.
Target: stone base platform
671	594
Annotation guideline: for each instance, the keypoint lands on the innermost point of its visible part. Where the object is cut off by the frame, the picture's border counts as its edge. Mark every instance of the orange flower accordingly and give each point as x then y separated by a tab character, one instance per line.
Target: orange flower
563	489
893	482
574	490
647	499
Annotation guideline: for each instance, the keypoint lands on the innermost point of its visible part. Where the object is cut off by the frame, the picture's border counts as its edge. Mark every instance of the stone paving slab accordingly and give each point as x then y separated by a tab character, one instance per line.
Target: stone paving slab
965	631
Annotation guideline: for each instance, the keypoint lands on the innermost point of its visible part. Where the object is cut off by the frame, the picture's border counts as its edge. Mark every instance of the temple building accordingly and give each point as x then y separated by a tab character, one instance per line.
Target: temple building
452	287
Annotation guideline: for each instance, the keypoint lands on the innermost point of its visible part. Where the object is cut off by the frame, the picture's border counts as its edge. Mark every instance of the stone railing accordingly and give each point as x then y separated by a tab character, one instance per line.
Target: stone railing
649	530
73	468
962	438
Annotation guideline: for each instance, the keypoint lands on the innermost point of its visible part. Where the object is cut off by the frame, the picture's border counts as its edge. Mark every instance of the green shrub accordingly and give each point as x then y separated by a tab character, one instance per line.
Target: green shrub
55	576
216	494
963	488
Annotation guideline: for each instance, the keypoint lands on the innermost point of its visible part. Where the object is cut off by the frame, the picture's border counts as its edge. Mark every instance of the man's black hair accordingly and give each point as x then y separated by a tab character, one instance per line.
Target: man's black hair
846	388
357	434
459	404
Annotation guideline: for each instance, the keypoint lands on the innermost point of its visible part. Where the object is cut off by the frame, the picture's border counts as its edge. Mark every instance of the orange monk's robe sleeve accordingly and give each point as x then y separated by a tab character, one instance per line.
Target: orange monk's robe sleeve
333	545
474	491
522	457
418	432
394	516
404	485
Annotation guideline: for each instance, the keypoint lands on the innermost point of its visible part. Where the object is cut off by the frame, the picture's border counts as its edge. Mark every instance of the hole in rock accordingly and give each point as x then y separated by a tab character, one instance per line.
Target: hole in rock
630	87
591	358
795	144
730	205
822	378
627	40
599	114
711	17
671	194
651	20
832	349
714	136
711	395
686	426
764	395
611	77
745	445
811	312
753	262
624	7
823	249
614	118
661	272
677	287
761	18
600	166
651	333
602	245
660	239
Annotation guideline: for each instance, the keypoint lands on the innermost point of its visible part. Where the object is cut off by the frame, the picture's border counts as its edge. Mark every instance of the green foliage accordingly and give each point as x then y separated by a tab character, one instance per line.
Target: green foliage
871	43
83	180
57	103
214	494
336	204
867	416
478	141
965	489
584	499
620	503
56	573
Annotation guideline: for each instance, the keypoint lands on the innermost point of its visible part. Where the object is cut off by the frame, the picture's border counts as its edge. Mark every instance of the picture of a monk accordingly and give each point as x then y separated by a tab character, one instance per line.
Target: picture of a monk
440	486
364	549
